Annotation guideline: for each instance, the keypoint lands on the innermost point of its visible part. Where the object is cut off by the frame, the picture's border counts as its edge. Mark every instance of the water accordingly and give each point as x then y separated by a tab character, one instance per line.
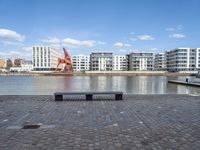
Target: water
47	85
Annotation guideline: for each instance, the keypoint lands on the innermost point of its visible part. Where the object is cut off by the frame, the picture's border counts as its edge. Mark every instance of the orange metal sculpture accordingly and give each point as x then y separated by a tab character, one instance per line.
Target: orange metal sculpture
66	61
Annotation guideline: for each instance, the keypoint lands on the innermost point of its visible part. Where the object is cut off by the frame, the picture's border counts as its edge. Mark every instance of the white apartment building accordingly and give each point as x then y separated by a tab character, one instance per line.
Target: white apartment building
160	61
45	58
81	62
23	68
183	59
101	61
119	62
142	61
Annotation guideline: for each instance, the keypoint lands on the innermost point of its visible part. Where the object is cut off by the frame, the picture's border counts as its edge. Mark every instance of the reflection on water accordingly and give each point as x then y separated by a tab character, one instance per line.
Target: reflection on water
20	85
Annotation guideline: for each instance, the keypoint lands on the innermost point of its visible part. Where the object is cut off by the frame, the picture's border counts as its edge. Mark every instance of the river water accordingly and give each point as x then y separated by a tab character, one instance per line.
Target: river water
47	85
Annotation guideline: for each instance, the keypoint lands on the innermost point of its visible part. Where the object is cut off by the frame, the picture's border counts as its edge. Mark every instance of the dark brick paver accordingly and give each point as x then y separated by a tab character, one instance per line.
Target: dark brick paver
138	122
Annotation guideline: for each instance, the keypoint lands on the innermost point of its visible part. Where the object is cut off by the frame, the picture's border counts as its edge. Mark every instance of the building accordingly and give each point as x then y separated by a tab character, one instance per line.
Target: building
160	61
119	63
9	63
22	68
2	63
101	61
81	62
140	61
18	62
45	58
183	59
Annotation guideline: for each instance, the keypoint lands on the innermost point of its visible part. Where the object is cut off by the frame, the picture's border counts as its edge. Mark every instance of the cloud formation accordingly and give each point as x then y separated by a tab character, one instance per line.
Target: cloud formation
15	54
177	35
177	28
145	37
71	42
9	37
119	44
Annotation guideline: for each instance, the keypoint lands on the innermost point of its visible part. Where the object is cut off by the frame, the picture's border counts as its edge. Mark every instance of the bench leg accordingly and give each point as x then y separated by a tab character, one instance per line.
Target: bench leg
58	97
118	96
89	97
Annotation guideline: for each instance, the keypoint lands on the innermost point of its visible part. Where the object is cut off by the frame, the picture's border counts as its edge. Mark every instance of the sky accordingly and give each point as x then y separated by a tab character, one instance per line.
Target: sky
85	26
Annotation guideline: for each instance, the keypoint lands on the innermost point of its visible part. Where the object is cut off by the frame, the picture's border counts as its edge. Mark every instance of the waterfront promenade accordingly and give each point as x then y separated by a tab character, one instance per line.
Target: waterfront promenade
137	122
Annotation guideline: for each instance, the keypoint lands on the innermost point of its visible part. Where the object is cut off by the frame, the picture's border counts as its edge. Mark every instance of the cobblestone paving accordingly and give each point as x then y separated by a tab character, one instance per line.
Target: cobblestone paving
138	122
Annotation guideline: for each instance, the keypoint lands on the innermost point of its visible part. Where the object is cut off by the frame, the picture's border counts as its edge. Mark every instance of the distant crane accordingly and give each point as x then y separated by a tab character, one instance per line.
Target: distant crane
66	61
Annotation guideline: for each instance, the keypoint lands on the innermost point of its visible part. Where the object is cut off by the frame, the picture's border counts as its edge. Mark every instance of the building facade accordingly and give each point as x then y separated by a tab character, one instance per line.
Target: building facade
45	58
81	62
22	68
183	59
18	62
160	61
2	63
101	61
140	61
119	63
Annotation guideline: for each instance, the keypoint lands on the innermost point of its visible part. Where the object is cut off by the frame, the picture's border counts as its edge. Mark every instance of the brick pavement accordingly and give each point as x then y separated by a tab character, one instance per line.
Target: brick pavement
138	122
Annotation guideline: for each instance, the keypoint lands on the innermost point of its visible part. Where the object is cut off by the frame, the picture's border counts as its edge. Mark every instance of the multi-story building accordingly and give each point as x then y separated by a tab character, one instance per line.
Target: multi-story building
45	58
119	62
141	61
101	61
81	62
22	68
2	63
18	62
183	59
160	61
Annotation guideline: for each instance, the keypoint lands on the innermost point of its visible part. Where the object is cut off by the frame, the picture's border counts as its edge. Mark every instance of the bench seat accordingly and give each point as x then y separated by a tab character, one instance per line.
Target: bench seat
88	95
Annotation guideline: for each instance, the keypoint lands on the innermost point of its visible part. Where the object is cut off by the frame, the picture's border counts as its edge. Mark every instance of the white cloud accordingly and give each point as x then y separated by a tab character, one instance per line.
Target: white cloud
119	44
123	50
153	49
51	40
127	45
69	42
170	29
133	39
178	27
145	37
177	35
27	49
9	37
101	43
16	54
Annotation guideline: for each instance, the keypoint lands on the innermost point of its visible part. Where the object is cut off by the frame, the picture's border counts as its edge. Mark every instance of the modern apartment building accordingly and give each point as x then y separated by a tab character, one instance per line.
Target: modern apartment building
141	61
183	59
101	61
119	62
45	58
81	62
160	61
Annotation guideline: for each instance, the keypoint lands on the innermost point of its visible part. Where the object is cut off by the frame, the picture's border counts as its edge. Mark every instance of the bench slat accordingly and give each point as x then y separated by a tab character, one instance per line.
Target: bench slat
83	93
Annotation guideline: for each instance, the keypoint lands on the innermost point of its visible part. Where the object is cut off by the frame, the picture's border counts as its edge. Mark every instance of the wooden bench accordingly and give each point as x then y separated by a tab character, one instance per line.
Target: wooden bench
88	95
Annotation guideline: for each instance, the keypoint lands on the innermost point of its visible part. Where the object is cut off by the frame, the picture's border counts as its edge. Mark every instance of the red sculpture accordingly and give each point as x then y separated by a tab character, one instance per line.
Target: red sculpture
66	61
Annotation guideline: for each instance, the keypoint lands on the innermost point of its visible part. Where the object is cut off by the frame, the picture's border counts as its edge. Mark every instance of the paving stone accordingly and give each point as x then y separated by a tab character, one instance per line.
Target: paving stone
137	122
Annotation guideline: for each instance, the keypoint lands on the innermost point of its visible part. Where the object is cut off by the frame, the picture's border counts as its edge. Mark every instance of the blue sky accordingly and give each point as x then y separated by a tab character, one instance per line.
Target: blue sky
83	26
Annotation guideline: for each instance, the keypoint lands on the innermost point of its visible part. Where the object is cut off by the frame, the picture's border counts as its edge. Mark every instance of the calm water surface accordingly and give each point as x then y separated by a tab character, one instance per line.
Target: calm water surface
47	85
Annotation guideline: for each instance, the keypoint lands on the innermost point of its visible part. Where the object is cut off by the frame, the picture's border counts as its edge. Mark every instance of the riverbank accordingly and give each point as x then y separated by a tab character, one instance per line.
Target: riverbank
137	122
102	73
